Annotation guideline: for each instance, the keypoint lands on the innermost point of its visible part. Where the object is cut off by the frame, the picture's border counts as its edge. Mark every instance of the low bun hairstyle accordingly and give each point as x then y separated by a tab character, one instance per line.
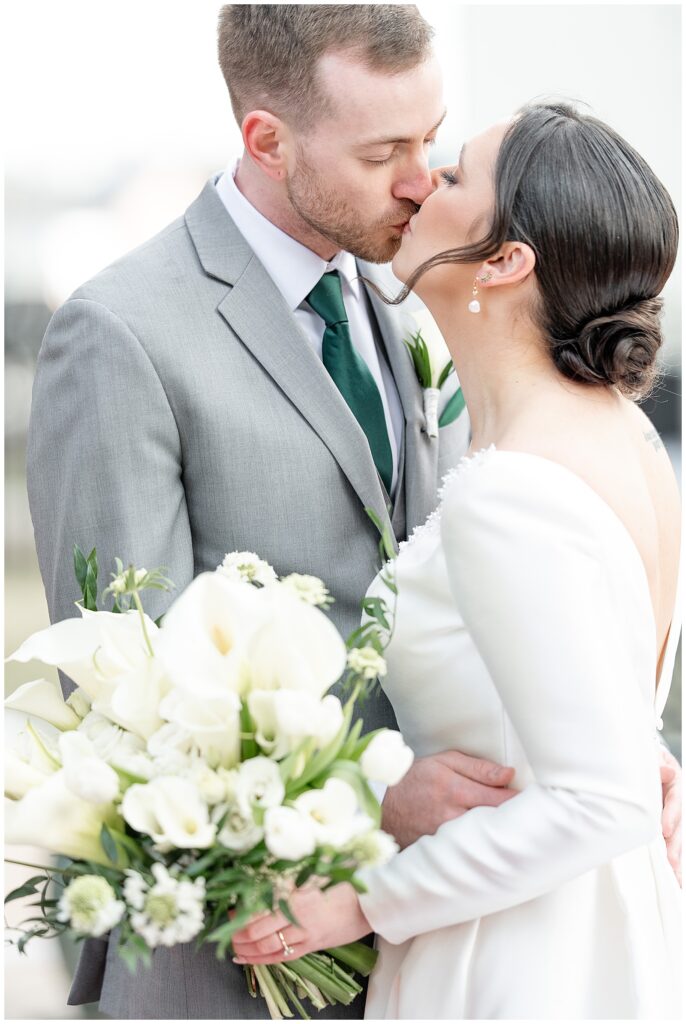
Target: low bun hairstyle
604	231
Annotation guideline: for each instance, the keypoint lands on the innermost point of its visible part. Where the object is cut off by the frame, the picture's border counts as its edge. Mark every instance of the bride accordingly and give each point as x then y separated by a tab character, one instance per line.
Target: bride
534	620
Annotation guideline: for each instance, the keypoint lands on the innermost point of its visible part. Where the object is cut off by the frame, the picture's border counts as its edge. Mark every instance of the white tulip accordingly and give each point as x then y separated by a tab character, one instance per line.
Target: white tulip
439	355
297	648
387	758
288	833
334	812
239	831
50	816
259	785
43	699
205	633
171	811
214	723
85	774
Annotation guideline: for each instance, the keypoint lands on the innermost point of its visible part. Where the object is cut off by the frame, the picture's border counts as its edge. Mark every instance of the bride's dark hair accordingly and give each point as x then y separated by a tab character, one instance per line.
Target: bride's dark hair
605	234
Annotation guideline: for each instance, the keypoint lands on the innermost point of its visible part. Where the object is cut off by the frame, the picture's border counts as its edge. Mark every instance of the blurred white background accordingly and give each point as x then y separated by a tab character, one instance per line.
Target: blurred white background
117	114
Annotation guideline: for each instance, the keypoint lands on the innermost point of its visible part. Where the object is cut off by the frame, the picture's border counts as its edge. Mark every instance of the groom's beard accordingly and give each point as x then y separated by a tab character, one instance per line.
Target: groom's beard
329	215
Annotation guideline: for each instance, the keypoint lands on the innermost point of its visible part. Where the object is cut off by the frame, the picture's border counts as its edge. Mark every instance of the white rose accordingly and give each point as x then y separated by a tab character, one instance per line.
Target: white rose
43	699
171	811
214	724
259	785
333	811
206	632
288	833
239	831
85	774
297	647
387	758
50	816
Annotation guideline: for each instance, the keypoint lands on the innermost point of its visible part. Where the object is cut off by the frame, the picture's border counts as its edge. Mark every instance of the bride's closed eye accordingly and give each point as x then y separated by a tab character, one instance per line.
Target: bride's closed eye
449	177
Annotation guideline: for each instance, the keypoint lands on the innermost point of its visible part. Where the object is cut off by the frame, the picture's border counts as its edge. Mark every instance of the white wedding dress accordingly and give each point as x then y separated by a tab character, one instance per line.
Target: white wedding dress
524	633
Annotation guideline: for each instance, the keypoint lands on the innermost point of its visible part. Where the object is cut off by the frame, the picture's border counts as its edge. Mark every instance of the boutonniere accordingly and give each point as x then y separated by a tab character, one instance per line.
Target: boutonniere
433	366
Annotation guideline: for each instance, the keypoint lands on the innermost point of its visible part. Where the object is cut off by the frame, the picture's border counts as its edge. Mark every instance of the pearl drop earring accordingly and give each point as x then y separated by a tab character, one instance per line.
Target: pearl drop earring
475	306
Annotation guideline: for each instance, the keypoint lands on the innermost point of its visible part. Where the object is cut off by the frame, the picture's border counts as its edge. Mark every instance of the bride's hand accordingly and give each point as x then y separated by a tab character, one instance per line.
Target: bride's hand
325	919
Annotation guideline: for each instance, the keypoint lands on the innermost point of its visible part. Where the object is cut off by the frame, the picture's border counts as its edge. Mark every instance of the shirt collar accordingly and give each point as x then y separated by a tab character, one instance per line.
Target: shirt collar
293	268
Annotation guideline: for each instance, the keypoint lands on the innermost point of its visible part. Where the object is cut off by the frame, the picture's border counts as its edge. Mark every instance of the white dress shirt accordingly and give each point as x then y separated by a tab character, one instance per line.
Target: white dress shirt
295	270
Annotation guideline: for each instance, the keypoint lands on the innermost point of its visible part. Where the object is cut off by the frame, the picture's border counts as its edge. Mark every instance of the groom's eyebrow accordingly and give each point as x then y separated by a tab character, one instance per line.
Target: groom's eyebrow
394	140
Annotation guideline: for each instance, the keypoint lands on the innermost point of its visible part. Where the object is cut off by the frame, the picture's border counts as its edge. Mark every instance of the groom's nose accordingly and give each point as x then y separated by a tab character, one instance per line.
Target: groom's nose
415	184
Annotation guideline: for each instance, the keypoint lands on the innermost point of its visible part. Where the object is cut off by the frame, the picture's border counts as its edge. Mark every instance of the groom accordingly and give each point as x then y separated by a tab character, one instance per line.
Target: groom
189	400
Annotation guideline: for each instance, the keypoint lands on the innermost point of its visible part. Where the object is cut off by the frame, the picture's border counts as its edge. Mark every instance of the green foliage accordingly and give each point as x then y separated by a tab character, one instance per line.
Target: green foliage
420	357
86	570
452	409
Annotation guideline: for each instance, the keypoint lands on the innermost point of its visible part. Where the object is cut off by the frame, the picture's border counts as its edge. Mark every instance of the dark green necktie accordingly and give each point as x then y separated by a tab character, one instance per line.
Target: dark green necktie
350	373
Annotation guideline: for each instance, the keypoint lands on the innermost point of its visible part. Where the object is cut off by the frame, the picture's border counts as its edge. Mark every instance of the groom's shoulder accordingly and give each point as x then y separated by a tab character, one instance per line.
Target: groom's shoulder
161	270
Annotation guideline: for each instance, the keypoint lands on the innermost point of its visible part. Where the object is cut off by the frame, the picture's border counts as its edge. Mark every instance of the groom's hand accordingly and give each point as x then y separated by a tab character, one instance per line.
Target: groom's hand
441	787
670	770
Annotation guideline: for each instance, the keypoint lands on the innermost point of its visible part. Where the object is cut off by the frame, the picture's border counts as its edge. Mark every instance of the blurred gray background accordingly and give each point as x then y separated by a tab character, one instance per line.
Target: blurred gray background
115	118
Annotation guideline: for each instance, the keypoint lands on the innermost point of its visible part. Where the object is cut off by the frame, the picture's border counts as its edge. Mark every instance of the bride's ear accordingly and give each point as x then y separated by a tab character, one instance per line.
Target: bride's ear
513	263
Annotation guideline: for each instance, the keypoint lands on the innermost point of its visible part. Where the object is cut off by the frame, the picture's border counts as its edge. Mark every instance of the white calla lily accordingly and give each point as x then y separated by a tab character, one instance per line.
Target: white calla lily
43	698
20	775
333	811
52	817
285	717
205	633
171	811
296	648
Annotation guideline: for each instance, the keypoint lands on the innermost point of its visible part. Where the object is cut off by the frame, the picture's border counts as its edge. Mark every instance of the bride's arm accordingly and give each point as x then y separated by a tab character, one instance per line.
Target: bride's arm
530	577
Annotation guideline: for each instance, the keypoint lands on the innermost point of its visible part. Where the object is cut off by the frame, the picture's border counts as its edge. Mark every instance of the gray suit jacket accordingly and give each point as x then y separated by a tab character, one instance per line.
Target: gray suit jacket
179	413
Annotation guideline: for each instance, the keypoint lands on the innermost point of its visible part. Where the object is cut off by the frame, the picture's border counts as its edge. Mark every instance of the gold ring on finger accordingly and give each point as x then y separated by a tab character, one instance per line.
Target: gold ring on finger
286	948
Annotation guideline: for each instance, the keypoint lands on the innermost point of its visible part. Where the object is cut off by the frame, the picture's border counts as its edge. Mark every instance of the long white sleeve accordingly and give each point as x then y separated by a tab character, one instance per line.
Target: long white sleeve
525	544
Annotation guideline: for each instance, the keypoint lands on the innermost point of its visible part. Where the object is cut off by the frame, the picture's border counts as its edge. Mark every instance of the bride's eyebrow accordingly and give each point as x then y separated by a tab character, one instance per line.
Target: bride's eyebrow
394	141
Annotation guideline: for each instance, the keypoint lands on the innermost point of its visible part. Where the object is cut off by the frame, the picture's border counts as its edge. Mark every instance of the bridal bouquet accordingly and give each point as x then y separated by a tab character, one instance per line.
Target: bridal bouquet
200	771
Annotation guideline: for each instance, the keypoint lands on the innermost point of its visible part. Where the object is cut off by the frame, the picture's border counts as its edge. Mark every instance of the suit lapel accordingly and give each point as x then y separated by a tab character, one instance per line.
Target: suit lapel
421	451
257	313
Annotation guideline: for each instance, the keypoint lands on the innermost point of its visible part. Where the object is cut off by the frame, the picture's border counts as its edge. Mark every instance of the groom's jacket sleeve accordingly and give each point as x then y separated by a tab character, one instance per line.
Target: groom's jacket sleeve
104	459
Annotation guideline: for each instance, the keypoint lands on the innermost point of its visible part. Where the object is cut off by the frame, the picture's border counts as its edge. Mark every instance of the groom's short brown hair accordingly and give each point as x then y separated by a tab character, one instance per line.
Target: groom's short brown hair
268	53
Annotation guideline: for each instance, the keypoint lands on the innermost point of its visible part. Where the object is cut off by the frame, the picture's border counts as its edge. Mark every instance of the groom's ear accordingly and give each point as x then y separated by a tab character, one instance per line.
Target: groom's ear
264	137
513	263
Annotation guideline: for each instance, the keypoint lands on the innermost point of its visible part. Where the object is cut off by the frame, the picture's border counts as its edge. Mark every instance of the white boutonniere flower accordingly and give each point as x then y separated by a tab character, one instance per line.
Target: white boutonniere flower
432	364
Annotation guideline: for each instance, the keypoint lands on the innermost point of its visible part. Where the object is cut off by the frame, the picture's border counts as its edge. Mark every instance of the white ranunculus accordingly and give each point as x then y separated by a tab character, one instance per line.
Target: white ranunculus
214	723
247	567
90	905
50	816
387	758
239	831
43	699
288	833
171	811
439	355
333	811
297	647
259	785
210	784
85	774
205	634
